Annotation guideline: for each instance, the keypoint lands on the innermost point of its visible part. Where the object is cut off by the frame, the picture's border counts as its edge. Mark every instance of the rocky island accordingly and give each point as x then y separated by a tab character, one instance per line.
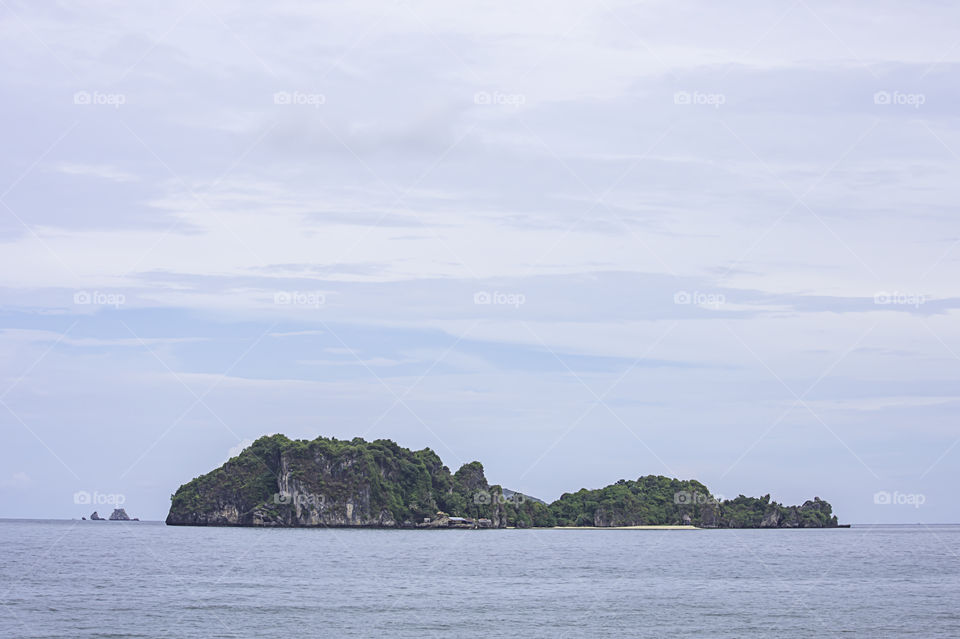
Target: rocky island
334	483
118	514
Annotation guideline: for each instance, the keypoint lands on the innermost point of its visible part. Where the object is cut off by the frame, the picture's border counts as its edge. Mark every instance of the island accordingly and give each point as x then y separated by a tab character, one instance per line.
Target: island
326	482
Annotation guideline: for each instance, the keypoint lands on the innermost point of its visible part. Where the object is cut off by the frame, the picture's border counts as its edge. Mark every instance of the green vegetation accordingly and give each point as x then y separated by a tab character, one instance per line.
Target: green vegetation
753	512
328	482
650	501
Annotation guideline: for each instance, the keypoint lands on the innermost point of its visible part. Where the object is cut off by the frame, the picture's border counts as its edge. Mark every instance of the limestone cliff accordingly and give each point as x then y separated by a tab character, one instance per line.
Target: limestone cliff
326	482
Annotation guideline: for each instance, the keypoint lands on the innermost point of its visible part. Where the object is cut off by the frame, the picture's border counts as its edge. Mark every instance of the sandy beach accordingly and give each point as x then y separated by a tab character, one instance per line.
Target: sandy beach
624	528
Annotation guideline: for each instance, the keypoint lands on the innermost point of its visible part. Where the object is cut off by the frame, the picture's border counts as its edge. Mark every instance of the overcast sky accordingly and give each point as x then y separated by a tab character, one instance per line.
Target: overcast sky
576	241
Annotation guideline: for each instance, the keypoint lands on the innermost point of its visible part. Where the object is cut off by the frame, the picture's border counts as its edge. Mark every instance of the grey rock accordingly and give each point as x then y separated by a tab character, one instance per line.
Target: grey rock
771	519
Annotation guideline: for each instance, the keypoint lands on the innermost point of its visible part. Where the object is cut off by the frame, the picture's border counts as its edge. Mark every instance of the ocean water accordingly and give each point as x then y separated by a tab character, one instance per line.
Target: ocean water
144	579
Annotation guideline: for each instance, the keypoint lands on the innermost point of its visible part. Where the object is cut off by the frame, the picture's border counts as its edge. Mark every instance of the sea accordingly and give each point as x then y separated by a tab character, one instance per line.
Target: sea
144	579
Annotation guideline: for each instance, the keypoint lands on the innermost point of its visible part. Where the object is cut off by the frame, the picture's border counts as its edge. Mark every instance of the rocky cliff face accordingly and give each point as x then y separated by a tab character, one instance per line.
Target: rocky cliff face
752	512
814	513
280	482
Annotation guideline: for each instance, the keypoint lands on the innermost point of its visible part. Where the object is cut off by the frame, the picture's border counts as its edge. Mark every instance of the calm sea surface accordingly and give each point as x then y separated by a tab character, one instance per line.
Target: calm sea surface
114	579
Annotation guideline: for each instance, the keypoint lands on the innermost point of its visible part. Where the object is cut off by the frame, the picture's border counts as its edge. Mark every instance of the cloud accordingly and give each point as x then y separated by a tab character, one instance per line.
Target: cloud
102	171
16	480
296	333
25	335
373	362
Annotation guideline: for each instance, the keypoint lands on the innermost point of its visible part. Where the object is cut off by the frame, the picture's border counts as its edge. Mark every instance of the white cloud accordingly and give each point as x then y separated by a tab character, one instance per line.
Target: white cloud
16	480
296	333
102	171
372	361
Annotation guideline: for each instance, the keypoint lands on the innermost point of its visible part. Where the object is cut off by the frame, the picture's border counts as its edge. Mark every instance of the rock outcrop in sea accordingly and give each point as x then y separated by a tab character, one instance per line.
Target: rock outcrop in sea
96	517
328	482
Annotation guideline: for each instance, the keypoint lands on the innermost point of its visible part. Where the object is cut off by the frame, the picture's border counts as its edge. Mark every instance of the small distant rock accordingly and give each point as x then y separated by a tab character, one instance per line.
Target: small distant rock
119	514
96	517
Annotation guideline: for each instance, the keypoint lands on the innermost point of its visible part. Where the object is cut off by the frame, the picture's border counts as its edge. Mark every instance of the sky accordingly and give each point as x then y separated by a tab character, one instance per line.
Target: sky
578	242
